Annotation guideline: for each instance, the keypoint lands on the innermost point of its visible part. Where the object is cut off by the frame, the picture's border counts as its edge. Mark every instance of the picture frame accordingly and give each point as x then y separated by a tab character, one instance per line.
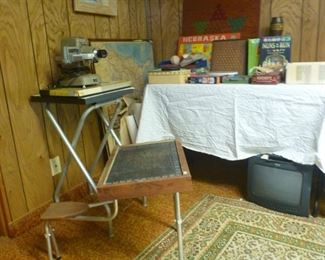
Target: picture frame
101	7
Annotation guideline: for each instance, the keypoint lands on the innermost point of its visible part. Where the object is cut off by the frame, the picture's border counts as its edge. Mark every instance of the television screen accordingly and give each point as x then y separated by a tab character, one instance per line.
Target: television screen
280	184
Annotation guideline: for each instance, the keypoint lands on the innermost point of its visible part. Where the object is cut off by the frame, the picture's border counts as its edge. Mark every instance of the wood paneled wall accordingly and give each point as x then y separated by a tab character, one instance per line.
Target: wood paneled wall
30	35
304	20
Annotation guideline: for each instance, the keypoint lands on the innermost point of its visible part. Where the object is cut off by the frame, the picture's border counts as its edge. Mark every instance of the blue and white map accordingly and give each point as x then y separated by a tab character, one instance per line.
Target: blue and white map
126	60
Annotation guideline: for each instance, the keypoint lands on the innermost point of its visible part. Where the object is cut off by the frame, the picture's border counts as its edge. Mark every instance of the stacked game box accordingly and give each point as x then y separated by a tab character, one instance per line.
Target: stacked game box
275	52
253	54
202	43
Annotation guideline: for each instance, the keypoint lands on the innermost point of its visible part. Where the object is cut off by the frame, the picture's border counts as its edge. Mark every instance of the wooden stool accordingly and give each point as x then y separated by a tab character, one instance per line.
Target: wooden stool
147	169
59	211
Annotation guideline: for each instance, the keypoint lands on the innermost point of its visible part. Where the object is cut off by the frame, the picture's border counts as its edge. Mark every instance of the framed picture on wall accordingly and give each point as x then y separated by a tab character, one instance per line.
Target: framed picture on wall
220	16
102	7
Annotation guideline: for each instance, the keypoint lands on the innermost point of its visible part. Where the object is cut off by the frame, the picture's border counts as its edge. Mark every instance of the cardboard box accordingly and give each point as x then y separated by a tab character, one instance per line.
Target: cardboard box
275	52
236	79
203	79
305	73
253	55
270	78
229	55
169	77
202	43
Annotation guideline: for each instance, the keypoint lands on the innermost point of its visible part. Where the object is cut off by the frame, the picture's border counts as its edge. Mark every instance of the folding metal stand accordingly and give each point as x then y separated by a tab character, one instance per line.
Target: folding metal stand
154	168
94	103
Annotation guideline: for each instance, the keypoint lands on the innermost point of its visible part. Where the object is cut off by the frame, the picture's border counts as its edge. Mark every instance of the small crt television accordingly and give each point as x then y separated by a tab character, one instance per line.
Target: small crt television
279	184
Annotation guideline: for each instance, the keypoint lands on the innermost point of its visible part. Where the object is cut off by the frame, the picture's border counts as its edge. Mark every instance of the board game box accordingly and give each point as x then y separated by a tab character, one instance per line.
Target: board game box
253	54
229	55
275	52
202	43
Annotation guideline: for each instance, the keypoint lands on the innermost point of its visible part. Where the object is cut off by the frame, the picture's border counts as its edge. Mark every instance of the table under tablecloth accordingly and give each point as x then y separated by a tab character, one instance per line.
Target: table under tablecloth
237	121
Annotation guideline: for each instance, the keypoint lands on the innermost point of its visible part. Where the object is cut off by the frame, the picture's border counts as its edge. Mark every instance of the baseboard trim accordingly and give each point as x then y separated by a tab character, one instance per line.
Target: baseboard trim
33	218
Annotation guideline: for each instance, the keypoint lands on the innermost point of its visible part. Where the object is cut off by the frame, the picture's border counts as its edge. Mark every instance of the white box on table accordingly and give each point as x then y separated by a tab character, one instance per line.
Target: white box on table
305	73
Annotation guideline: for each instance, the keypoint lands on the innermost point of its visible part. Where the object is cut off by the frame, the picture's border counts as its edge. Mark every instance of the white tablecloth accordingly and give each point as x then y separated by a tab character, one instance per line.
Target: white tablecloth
238	121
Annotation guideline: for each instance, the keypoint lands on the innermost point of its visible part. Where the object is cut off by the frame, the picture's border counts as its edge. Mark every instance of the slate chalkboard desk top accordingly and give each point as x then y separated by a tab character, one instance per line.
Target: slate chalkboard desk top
101	97
145	169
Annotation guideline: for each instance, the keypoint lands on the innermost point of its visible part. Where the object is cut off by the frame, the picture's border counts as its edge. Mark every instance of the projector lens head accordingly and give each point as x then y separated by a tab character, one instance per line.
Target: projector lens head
101	53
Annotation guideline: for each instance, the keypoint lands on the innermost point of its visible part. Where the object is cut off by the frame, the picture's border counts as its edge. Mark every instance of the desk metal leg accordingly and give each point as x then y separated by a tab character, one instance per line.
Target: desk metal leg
71	150
71	146
48	241
179	225
72	154
145	201
108	124
110	222
107	133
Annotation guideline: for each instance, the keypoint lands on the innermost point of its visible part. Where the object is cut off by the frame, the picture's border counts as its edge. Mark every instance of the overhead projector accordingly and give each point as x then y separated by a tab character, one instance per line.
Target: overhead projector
76	63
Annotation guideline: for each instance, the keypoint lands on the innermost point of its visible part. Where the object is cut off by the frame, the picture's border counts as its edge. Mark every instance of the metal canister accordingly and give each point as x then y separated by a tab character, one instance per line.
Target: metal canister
276	27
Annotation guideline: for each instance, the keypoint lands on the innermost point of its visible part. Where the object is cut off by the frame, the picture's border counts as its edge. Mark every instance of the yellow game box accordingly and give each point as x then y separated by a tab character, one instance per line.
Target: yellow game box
169	77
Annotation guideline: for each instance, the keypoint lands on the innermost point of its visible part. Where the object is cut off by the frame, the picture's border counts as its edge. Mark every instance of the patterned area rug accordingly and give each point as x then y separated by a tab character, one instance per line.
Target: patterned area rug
222	228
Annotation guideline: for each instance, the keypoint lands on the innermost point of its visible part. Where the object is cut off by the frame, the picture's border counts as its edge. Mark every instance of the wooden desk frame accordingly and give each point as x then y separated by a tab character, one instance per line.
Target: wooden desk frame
150	186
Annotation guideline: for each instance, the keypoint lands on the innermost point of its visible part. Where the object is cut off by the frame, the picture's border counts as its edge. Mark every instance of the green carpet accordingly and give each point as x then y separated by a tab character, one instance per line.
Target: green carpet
222	228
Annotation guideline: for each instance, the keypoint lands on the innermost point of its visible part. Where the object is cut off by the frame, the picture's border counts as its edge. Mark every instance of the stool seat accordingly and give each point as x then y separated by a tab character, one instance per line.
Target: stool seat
62	210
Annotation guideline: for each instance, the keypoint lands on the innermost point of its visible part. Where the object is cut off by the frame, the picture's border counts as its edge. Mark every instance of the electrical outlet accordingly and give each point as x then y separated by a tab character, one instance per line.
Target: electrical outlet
55	165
